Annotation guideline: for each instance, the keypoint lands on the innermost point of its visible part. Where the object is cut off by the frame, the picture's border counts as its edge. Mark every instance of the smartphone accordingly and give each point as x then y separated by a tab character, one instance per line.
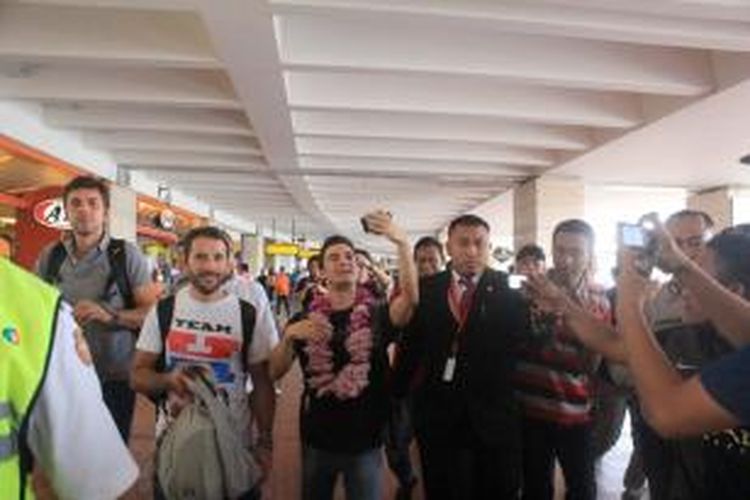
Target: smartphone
365	226
633	236
516	281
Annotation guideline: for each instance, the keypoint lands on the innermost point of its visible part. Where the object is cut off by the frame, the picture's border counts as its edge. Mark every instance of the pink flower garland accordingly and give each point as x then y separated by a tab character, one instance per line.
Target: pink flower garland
352	378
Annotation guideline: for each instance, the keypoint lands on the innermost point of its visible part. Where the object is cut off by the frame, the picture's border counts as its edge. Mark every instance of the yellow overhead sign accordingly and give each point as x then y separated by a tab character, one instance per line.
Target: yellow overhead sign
282	249
306	253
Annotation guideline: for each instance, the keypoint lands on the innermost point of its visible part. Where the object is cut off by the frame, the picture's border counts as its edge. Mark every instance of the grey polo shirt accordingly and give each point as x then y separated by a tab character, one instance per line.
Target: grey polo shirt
86	279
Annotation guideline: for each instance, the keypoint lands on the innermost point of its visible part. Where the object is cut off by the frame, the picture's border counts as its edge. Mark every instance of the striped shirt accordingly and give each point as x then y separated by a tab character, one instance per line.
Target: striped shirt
554	376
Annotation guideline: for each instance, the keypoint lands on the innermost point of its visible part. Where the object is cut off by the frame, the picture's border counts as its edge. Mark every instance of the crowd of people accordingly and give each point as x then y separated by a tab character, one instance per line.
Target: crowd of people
496	377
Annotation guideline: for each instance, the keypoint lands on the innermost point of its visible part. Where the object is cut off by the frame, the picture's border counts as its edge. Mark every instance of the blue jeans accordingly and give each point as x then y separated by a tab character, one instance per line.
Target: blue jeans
362	474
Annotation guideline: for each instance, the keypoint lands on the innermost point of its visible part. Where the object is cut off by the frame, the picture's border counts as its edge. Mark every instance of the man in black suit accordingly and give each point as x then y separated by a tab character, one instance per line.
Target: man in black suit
458	357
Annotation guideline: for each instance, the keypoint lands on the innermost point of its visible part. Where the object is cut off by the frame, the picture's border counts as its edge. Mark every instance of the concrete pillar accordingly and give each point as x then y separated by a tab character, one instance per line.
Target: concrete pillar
539	204
717	203
123	212
253	252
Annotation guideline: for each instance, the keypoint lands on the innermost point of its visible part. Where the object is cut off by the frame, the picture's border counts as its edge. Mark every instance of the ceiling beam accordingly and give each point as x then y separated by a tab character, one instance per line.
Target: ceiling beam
207	177
181	88
243	35
414	166
461	97
424	150
170	141
438	128
144	160
102	117
315	42
172	5
595	21
37	33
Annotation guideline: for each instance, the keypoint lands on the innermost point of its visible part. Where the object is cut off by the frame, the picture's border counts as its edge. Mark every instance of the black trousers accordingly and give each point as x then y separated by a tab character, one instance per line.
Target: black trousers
120	400
571	445
459	468
398	438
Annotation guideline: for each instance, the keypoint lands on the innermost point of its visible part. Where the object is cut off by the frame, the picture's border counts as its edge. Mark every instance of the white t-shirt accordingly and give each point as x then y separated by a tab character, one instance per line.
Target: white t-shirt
71	432
265	323
209	334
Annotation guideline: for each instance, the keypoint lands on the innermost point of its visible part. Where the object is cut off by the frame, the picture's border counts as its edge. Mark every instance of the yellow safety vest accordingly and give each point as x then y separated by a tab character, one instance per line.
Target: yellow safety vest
28	310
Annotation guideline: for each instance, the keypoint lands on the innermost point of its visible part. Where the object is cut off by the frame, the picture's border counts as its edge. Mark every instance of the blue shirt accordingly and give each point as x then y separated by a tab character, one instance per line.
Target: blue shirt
728	382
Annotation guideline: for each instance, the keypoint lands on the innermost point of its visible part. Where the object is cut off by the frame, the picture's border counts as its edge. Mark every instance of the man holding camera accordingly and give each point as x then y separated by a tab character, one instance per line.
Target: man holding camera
674	467
674	401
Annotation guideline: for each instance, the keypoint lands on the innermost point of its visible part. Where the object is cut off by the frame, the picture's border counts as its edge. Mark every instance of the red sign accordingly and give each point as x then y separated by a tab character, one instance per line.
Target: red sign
51	213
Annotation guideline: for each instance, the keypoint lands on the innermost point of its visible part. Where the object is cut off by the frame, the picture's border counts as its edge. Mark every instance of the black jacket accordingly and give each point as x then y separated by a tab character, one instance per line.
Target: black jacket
480	401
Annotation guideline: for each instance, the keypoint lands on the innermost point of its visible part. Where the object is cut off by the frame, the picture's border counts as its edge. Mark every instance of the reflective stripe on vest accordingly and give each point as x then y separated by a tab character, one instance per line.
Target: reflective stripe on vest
8	438
28	309
8	445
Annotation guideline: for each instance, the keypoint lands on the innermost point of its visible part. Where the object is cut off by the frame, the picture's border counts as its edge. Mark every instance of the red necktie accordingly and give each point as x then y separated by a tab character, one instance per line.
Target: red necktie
467	298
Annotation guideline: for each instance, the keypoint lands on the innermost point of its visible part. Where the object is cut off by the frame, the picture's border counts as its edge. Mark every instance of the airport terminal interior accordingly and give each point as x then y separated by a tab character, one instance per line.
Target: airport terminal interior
283	122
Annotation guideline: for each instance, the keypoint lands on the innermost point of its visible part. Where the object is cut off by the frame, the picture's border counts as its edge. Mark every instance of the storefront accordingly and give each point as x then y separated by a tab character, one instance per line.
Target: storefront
160	226
31	213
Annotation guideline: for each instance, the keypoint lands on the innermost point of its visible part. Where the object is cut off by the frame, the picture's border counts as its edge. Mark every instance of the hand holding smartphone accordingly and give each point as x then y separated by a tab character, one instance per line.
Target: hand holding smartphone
372	221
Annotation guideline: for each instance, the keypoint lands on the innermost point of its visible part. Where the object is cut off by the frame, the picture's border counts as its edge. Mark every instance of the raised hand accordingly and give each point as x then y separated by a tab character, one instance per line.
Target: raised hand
381	222
546	295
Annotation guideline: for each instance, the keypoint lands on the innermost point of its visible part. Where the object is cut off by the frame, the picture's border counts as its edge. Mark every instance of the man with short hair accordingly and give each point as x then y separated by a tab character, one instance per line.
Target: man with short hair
341	343
677	402
463	339
675	466
555	376
429	260
691	230
108	282
428	256
208	328
310	284
530	259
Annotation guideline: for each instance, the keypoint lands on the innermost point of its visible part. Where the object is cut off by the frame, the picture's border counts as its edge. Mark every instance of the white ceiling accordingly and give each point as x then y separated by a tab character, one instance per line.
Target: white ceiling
318	110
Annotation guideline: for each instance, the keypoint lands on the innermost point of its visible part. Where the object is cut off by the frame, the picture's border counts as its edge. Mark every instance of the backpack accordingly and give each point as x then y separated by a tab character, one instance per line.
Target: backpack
165	311
199	456
117	257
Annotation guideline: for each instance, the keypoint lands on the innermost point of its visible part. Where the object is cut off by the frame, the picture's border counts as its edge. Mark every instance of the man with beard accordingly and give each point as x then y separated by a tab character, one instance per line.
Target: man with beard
208	329
109	285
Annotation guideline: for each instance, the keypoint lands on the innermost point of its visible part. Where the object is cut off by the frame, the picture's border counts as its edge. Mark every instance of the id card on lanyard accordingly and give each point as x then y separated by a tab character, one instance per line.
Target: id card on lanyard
460	309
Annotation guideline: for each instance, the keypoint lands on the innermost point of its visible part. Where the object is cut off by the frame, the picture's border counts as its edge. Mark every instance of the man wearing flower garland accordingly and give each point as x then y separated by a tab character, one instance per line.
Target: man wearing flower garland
341	343
458	356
